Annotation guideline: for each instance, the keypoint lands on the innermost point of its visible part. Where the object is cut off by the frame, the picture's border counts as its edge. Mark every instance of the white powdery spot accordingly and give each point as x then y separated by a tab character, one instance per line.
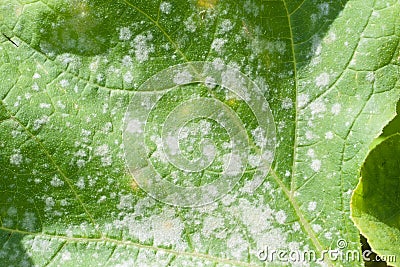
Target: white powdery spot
276	47
66	256
259	137
237	245
218	64
287	103
259	46
210	82
316	227
18	102
183	77
251	8
296	227
36	76
218	44
131	262
12	211
103	152
35	87
49	201
211	224
134	126
105	109
173	145
86	132
94	65
316	46
322	80
81	163
125	202
274	239
231	79
56	182
316	165
349	192
37	124
370	77
302	100
16	159
257	219
267	156
232	164
167	229
64	202
328	235
250	186
329	135
376	13
29	221
317	107
309	135
128	78
165	7
209	151
67	58
125	34
15	133
312	205
311	153
142	48
228	199
45	105
280	217
64	83
324	9
330	38
335	110
80	183
190	25
127	61
60	104
226	26
280	47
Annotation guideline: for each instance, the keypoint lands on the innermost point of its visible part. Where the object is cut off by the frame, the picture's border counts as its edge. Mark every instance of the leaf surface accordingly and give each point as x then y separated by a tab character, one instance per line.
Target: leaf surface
329	70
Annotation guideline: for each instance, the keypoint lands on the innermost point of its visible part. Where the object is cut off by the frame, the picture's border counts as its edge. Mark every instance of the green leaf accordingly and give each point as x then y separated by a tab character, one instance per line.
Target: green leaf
391	128
375	201
328	69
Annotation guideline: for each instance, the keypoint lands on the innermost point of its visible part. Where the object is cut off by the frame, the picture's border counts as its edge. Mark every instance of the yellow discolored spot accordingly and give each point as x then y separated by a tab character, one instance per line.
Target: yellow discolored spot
233	103
168	225
134	185
206	3
18	11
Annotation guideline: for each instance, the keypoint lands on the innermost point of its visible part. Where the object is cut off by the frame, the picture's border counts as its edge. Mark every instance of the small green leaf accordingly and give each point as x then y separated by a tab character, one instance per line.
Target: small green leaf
375	202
